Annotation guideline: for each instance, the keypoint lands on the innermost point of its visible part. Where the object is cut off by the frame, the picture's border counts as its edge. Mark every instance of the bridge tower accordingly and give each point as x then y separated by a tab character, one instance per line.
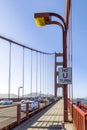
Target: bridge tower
56	73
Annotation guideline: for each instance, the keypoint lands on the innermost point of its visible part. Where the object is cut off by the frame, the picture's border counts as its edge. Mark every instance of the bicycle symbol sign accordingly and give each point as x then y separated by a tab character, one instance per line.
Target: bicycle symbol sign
65	75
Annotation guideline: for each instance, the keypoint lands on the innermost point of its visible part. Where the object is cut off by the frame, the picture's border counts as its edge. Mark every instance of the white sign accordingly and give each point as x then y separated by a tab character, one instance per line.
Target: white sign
65	75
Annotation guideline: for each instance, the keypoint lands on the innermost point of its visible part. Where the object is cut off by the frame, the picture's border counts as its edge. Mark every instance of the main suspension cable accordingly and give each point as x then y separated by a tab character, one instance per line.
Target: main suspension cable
17	43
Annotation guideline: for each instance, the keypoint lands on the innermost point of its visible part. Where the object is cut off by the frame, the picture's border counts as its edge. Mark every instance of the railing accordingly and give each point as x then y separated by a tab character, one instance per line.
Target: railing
78	115
82	106
15	116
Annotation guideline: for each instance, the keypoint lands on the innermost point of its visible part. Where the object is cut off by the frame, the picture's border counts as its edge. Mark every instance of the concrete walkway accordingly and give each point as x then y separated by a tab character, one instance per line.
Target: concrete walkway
49	119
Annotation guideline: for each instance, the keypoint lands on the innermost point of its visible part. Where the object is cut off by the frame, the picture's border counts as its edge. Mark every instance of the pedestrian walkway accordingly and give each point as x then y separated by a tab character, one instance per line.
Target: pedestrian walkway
49	119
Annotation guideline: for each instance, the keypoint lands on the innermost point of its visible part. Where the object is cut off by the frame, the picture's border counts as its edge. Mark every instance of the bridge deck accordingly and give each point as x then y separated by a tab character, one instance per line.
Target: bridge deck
49	119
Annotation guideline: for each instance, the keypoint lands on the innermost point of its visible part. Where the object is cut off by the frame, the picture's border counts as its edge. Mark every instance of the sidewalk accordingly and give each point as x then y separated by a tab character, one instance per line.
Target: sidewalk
49	119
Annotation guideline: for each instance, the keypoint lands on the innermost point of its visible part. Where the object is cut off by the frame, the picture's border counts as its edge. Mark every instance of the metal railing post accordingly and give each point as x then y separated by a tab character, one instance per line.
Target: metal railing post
18	113
27	109
86	122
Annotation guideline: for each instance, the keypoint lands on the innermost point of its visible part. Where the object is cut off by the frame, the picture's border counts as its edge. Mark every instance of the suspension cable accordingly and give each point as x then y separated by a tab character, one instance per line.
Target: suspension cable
40	74
36	71
48	75
9	79
23	74
17	43
43	75
31	74
52	72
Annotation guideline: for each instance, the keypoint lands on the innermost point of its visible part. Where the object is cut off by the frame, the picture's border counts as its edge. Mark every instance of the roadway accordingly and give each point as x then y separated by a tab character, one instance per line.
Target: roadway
8	113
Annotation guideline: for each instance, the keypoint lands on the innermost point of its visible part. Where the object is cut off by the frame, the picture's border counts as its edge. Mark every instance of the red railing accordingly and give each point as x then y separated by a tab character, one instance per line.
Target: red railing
78	115
19	116
82	107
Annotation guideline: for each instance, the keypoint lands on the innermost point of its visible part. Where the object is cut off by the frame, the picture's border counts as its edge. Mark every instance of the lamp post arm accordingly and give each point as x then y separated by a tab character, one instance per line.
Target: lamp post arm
64	40
60	17
55	22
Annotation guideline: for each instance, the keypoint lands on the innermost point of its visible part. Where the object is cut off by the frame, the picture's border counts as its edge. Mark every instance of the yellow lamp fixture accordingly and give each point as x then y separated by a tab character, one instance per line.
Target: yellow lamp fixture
41	19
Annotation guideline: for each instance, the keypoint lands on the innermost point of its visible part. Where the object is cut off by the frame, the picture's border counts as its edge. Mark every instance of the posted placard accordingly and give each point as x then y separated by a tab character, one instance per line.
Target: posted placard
65	75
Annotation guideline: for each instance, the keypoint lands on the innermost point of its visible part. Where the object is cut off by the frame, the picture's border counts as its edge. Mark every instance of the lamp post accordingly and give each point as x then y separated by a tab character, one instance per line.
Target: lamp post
19	91
43	19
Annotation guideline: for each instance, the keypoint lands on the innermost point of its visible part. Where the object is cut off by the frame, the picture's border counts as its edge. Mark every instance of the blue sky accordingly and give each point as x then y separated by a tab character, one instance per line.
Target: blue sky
17	23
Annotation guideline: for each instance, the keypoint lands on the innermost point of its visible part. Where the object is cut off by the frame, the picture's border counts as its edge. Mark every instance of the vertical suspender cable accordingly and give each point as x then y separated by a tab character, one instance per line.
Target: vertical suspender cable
71	42
9	82
36	71
71	51
40	74
52	75
48	76
70	54
23	75
43	75
44	66
31	74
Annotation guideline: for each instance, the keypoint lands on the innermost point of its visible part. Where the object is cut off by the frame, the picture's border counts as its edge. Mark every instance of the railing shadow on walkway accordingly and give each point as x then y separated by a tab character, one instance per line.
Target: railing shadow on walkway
51	127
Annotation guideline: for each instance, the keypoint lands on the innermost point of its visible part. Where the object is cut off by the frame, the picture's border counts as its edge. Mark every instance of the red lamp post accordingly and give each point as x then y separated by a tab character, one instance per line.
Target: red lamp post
43	19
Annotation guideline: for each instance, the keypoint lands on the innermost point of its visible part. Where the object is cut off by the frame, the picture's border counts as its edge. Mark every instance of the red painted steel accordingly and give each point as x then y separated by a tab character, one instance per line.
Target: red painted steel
79	116
56	85
24	46
27	109
68	6
19	113
83	107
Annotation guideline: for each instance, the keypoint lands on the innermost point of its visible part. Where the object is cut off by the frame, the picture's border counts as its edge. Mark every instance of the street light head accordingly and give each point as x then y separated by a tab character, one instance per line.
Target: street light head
41	19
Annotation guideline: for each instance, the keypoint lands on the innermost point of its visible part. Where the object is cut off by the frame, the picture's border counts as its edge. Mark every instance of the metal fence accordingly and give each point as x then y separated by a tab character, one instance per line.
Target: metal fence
79	116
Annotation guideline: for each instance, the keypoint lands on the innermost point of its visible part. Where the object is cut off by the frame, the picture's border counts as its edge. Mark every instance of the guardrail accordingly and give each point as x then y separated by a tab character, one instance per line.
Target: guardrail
19	116
78	115
82	106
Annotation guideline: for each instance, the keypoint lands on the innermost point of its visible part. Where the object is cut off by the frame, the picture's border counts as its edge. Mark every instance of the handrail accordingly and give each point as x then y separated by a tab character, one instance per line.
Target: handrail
83	107
79	116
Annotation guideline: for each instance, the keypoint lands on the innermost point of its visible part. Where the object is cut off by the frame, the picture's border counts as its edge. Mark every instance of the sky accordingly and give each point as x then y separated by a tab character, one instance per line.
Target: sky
17	23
